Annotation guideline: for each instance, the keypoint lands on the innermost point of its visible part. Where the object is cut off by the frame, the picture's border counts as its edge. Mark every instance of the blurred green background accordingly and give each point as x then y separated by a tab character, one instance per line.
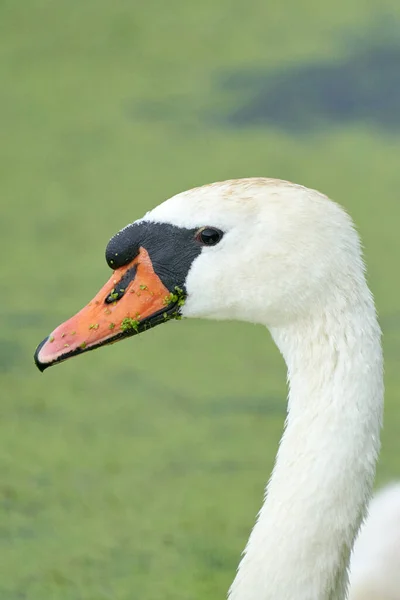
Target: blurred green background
137	471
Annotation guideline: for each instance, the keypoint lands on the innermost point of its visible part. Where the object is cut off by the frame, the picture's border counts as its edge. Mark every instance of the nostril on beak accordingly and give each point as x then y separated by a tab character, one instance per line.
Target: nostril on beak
120	288
114	296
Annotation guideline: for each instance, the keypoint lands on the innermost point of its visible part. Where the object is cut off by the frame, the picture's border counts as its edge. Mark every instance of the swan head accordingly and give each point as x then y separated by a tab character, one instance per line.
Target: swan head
258	250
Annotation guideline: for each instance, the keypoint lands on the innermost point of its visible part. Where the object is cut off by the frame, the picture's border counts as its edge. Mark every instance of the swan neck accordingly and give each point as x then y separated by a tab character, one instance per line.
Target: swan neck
324	470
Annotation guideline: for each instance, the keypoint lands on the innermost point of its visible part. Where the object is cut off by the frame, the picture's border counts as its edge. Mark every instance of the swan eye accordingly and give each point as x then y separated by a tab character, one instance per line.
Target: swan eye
209	236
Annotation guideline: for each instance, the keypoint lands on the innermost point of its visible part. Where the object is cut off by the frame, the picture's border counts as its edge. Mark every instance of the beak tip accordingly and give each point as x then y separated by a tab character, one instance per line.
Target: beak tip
40	365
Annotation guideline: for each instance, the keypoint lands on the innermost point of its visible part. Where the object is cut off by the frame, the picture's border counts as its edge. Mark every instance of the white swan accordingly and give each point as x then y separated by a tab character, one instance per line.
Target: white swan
375	561
287	257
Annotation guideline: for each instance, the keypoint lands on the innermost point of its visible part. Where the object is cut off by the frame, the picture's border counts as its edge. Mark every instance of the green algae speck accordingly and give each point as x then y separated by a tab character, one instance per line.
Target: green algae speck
94	326
129	324
177	297
83	345
111	326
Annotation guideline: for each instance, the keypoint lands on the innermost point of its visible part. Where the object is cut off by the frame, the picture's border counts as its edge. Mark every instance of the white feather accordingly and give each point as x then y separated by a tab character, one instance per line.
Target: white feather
375	562
290	259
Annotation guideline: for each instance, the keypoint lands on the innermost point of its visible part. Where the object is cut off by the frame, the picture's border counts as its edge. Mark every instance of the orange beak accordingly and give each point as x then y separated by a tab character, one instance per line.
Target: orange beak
133	300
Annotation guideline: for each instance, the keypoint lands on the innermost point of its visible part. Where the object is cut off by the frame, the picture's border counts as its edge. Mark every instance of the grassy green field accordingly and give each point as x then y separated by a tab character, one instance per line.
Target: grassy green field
137	471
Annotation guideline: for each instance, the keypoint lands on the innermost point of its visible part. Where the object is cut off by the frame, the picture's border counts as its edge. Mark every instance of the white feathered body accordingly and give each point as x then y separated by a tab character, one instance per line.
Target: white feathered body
375	561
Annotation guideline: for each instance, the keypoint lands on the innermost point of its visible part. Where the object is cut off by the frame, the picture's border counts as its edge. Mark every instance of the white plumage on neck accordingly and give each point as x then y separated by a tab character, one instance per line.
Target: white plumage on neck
291	260
324	471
